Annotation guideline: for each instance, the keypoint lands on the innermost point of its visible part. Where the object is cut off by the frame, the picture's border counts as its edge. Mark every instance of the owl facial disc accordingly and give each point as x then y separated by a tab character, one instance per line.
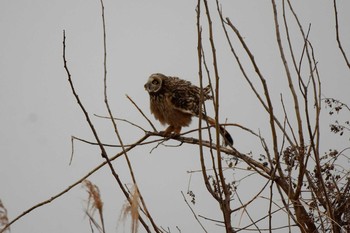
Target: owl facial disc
153	84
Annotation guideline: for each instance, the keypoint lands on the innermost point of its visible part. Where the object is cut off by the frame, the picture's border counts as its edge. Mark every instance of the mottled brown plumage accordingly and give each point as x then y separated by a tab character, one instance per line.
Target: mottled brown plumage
175	101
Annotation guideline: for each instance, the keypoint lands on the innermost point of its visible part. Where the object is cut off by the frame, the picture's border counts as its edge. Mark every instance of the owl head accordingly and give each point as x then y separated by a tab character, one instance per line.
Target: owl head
154	82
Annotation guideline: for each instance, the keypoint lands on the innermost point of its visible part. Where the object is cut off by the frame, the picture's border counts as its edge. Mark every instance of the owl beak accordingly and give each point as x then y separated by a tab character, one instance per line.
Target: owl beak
146	87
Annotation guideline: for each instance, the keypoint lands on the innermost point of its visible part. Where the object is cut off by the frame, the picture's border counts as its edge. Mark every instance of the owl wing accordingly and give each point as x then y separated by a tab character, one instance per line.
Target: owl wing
185	102
186	97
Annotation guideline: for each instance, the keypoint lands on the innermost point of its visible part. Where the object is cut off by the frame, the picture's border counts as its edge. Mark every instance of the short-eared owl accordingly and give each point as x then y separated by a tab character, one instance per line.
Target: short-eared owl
175	101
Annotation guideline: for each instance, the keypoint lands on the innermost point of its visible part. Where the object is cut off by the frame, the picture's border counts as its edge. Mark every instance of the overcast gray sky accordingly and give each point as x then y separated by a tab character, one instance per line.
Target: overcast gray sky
39	113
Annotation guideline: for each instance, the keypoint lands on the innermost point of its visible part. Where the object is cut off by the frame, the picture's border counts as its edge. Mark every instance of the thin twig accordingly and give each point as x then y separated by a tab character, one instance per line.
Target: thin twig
262	218
155	227
229	23
137	107
194	214
103	151
210	219
313	145
247	213
200	74
207	123
121	119
252	199
337	33
224	200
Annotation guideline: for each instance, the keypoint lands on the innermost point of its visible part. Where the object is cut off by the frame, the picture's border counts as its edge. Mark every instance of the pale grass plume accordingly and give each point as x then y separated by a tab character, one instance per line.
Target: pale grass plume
132	208
94	203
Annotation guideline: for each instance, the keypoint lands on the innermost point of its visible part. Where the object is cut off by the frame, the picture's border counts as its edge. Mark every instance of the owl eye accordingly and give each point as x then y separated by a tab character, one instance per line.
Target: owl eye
155	82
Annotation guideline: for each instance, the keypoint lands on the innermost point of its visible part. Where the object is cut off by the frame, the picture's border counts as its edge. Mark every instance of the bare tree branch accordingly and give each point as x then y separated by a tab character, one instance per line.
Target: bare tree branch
337	34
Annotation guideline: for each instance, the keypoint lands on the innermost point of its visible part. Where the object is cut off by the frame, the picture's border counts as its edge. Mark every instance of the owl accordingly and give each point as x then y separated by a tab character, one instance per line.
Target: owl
174	101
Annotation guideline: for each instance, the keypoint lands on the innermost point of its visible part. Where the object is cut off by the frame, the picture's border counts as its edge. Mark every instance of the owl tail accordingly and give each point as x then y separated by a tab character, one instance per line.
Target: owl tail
226	135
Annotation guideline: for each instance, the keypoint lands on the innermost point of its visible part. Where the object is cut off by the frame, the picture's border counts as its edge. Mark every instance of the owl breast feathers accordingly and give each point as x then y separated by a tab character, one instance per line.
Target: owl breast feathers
174	101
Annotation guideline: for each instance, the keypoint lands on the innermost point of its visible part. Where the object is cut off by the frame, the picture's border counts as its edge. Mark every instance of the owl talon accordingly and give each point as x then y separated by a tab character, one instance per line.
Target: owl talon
169	134
165	133
172	130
